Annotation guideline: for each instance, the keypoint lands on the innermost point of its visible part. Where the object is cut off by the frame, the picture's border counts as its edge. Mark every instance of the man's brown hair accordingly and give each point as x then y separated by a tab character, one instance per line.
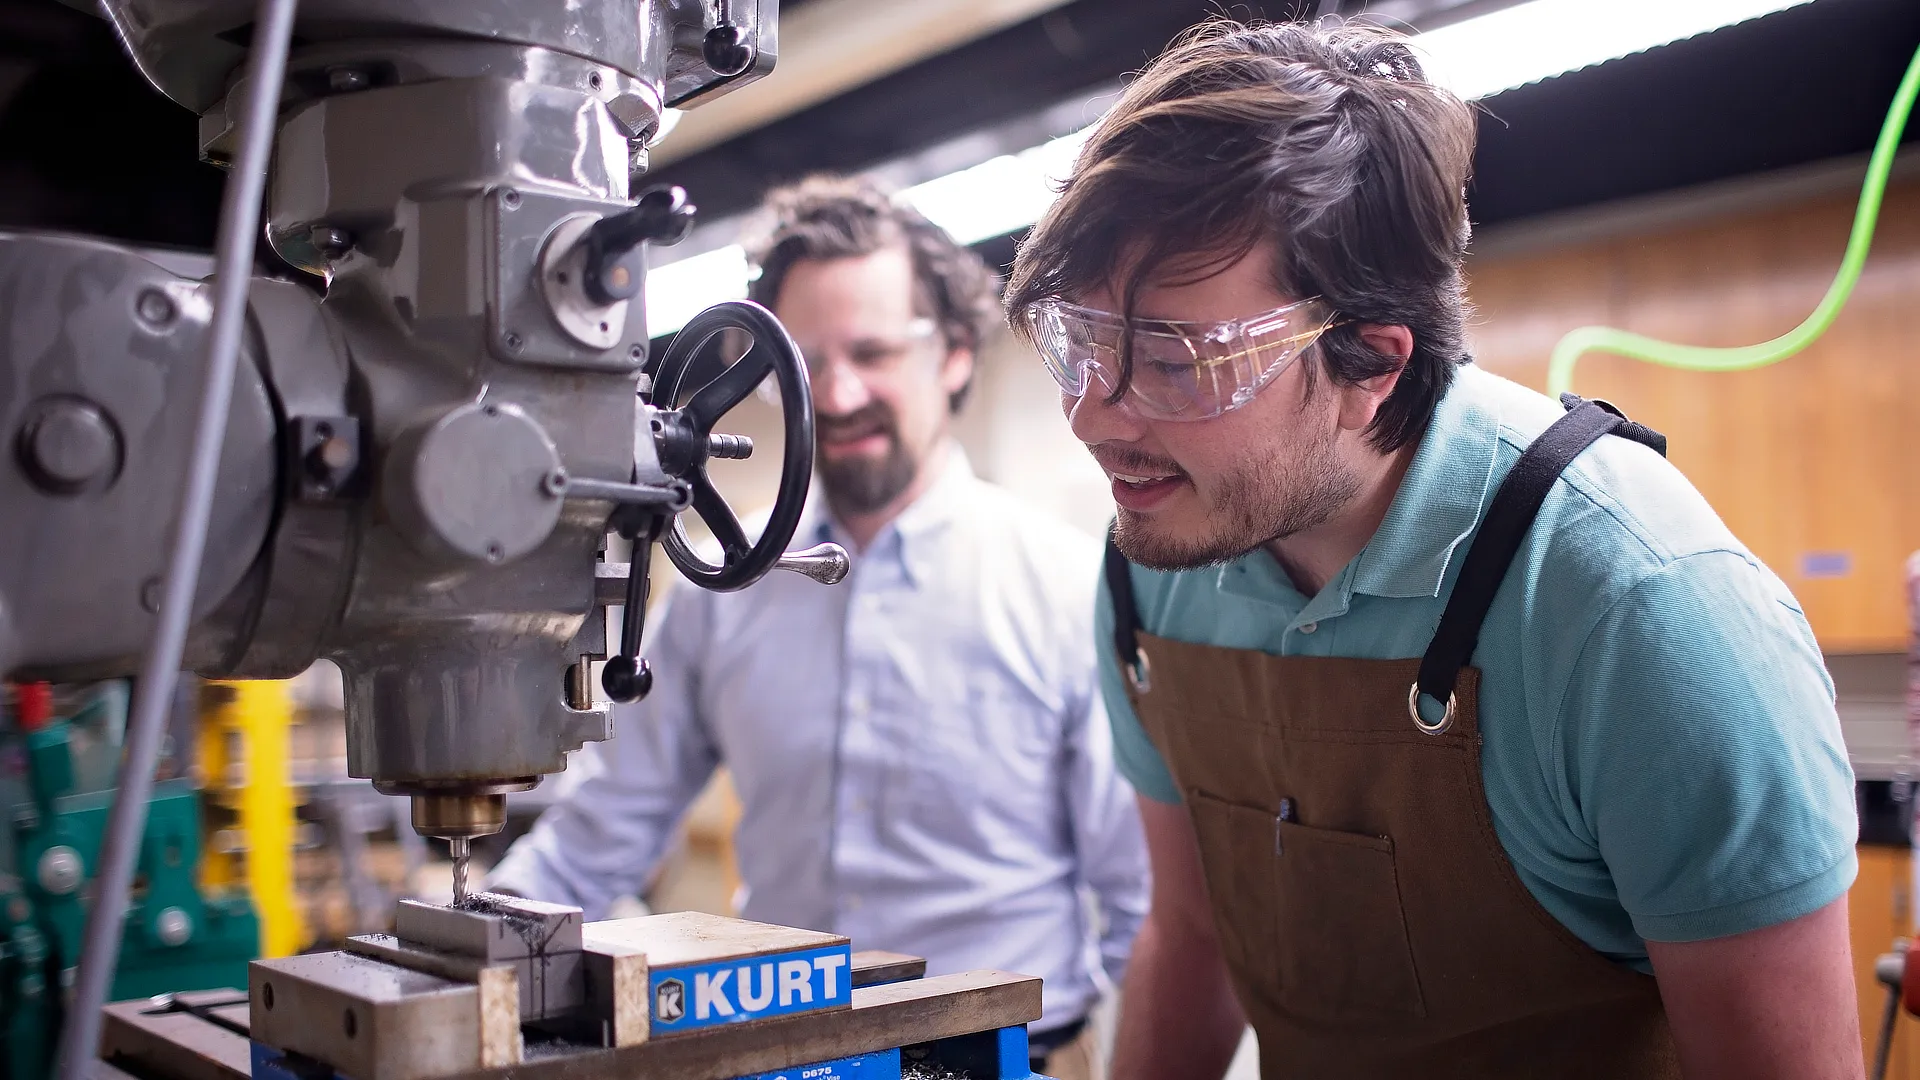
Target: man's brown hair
1326	140
835	217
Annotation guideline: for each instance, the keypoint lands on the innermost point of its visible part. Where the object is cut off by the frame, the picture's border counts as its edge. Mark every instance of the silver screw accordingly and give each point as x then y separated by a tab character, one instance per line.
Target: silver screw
173	927
154	307
59	870
513	341
495	553
510	199
554	484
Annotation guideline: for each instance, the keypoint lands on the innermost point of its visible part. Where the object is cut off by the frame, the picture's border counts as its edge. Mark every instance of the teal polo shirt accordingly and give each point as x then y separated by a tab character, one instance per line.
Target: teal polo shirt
1659	744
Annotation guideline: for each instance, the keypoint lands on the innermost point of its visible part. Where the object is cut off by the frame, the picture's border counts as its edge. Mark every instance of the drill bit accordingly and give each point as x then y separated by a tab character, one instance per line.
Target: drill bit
458	846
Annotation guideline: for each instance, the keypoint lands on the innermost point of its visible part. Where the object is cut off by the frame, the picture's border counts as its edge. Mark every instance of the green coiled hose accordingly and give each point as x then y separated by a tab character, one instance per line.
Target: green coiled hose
1747	357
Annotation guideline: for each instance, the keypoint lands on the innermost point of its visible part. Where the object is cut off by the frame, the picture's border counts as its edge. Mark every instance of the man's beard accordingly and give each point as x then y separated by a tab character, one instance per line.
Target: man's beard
1248	508
862	485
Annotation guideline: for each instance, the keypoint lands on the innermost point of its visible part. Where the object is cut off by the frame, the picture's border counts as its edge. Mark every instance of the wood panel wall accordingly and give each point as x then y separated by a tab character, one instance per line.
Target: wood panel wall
1878	914
1816	456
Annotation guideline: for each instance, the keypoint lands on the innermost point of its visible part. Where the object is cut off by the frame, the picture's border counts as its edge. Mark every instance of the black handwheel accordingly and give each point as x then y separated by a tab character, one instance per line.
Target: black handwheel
773	351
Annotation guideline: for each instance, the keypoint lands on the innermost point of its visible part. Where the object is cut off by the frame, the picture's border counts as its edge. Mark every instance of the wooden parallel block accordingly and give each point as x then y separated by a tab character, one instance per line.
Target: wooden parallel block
680	938
617	990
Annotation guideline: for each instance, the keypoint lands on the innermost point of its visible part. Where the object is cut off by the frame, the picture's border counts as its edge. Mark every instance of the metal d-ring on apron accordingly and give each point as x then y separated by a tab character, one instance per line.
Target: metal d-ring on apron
1366	911
1505	527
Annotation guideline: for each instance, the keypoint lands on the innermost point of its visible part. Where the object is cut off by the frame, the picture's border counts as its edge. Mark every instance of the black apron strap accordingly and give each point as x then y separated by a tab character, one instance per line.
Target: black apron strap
1126	618
1508	519
1639	433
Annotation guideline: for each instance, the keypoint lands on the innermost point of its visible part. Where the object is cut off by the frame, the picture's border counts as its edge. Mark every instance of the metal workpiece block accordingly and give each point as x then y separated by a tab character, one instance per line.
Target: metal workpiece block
551	986
491	927
376	1021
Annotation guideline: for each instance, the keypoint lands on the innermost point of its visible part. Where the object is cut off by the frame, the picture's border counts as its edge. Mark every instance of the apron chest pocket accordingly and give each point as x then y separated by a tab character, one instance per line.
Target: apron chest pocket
1342	952
1309	920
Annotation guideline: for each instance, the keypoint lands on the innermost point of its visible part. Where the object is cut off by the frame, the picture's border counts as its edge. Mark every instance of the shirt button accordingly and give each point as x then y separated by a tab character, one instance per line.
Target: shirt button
1308	628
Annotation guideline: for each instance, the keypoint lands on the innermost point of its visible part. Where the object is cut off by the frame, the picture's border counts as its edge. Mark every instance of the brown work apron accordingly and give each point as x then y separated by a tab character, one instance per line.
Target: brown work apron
1372	923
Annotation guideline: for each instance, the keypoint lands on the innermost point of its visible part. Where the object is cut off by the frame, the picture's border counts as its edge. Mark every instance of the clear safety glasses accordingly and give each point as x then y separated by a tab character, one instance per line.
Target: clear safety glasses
1180	370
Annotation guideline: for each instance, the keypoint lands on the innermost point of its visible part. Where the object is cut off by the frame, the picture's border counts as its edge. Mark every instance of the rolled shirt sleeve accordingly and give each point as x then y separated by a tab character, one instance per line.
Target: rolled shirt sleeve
1704	756
1133	752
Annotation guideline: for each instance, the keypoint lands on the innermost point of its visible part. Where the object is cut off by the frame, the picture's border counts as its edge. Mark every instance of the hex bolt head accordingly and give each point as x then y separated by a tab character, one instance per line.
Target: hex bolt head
59	870
173	926
69	445
155	308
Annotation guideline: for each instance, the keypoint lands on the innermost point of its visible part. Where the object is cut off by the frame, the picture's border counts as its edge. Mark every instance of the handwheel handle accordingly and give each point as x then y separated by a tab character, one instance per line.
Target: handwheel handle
825	563
692	424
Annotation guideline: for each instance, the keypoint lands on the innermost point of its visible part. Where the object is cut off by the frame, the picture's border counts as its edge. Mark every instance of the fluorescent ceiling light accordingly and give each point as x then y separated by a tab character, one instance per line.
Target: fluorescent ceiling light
1528	42
999	196
991	199
1476	58
680	290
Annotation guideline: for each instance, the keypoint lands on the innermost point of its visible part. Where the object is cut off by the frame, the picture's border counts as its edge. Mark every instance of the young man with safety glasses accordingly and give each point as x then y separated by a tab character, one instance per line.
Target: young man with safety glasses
1469	741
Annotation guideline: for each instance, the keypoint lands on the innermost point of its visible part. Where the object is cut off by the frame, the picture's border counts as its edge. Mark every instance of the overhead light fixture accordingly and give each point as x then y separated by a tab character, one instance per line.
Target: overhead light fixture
680	290
1475	58
1528	42
1000	196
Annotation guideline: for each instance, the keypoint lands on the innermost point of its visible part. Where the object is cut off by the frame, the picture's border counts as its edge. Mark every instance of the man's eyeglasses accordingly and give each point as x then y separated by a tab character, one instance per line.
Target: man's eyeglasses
875	356
1179	370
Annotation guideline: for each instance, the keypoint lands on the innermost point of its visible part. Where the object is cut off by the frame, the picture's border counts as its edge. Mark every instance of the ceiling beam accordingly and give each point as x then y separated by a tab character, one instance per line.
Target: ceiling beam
828	47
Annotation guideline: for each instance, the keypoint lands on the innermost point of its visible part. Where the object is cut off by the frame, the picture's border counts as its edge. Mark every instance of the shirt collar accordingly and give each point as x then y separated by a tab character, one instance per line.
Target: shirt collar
1440	499
907	540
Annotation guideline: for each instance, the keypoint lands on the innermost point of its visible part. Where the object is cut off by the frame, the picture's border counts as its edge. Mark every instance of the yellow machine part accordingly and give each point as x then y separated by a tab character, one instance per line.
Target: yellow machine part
244	739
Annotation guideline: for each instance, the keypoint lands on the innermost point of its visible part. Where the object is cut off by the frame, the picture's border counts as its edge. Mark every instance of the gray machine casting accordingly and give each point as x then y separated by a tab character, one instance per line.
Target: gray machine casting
429	440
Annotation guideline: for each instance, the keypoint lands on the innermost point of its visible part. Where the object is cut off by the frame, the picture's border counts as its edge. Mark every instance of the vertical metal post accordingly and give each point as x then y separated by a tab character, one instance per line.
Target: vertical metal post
239	226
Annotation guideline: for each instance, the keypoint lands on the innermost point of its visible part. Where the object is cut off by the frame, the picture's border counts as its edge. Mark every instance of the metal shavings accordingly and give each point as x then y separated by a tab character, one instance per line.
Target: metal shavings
912	1071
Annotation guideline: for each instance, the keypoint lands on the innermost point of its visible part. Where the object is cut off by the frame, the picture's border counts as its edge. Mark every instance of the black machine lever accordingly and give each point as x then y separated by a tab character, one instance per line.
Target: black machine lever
662	215
627	676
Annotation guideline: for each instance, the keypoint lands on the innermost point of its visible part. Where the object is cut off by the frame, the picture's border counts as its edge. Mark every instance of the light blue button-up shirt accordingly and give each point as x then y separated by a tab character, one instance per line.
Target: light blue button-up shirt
923	760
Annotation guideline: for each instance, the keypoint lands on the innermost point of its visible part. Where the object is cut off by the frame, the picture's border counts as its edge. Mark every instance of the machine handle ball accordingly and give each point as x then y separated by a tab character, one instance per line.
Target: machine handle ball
627	679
